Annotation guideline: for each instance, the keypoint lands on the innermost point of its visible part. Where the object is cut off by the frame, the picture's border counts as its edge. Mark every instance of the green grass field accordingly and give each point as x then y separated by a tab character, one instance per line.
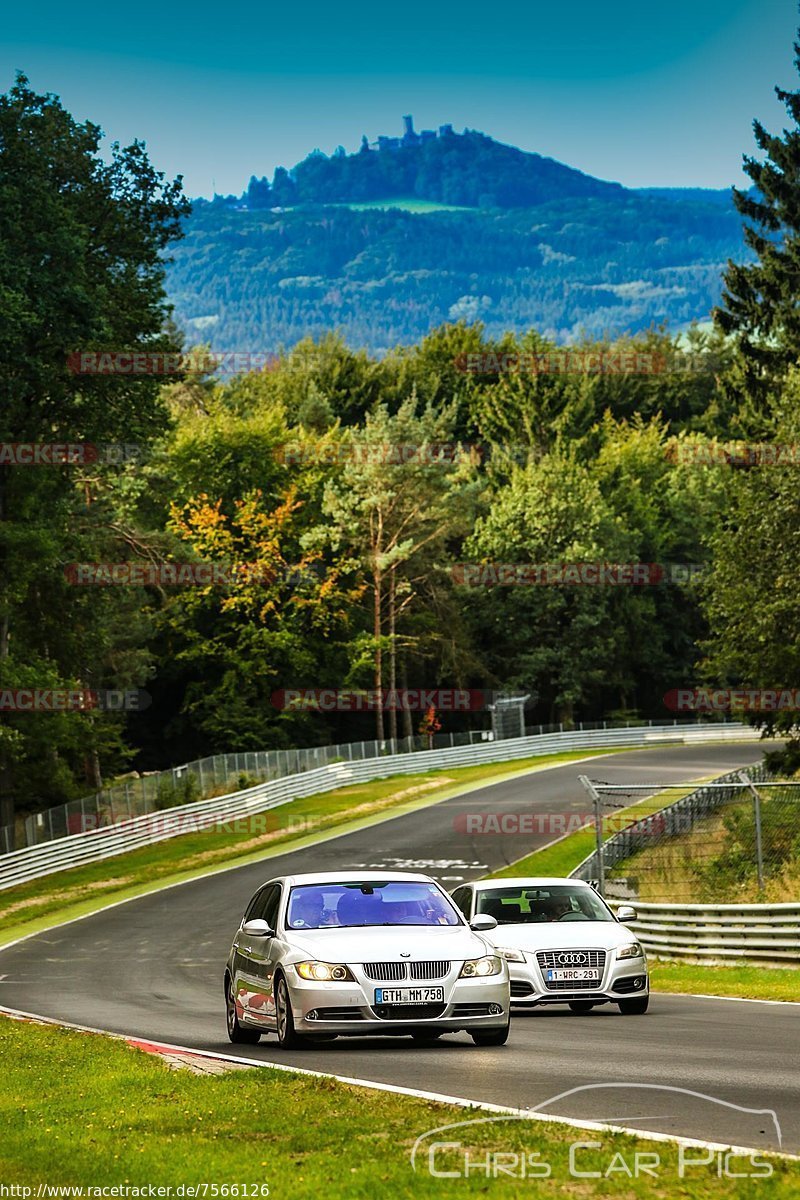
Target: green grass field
86	1110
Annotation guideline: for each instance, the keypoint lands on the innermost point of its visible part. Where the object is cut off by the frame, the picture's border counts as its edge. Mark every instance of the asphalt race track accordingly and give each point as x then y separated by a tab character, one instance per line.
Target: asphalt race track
153	968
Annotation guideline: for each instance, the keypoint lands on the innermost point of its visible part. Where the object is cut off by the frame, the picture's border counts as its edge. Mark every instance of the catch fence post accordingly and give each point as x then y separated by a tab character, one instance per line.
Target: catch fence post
757	817
598	827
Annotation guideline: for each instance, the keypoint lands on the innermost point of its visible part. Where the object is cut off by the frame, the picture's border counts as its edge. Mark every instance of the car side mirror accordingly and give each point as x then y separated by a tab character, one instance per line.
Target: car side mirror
626	912
257	928
482	923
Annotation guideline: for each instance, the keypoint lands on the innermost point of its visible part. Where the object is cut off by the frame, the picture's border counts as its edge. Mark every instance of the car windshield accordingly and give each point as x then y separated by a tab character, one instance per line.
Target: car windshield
532	905
316	906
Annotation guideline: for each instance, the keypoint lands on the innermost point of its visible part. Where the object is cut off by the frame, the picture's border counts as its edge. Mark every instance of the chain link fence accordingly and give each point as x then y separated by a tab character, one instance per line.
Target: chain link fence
219	774
736	839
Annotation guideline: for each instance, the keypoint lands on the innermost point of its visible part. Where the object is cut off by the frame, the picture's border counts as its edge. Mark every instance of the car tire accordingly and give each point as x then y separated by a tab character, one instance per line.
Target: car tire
581	1007
491	1037
634	1007
237	1033
288	1037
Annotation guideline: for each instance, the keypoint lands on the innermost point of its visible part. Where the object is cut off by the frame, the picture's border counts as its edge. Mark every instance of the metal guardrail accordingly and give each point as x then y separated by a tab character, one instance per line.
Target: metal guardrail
223	773
32	862
712	933
134	797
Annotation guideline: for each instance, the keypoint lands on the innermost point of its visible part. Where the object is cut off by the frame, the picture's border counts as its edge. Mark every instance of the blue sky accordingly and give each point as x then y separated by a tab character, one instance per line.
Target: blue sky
646	95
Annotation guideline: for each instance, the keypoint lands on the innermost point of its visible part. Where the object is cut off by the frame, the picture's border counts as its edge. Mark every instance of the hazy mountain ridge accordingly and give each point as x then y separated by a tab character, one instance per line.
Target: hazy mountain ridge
580	255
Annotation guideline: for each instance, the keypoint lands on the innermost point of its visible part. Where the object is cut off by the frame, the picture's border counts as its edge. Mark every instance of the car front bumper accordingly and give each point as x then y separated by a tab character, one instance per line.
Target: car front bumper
621	979
350	1008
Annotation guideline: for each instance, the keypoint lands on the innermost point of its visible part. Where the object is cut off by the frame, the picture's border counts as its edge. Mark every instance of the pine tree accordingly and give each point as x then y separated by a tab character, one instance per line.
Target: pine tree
759	303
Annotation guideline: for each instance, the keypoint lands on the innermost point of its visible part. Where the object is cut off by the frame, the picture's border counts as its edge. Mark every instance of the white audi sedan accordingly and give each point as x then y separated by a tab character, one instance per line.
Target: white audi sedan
562	943
318	956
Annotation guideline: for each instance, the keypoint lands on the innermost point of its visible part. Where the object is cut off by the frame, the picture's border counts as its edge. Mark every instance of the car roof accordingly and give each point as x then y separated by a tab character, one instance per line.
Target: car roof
322	877
528	881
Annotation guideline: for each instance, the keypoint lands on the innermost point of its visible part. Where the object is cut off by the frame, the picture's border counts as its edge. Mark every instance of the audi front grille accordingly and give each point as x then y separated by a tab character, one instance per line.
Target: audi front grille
549	960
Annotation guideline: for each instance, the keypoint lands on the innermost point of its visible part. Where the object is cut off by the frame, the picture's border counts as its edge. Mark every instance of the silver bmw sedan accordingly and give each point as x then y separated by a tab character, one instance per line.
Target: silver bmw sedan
318	956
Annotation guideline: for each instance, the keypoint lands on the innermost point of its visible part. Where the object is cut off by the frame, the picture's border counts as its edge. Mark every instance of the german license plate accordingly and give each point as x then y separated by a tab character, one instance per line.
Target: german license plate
420	995
573	973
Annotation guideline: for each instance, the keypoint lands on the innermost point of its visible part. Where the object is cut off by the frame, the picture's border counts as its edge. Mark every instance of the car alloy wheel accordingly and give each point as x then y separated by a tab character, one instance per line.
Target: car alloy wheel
237	1033
284	1020
491	1037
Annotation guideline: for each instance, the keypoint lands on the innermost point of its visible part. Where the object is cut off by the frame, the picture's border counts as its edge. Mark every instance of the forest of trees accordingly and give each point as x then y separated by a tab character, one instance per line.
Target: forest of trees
522	242
344	558
597	266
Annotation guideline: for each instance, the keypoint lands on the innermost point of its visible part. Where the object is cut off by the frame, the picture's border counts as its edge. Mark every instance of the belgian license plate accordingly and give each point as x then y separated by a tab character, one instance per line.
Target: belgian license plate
420	995
573	973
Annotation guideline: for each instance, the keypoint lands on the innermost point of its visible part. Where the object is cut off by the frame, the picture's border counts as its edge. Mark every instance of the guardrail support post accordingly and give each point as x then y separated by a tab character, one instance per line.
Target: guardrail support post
598	832
757	817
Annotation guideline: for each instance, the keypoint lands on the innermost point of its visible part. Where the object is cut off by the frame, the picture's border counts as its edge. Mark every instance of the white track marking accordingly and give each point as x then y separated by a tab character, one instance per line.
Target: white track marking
418	1093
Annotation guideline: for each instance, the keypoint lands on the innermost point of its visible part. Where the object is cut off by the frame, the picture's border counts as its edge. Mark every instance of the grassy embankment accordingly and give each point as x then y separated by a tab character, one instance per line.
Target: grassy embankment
86	1110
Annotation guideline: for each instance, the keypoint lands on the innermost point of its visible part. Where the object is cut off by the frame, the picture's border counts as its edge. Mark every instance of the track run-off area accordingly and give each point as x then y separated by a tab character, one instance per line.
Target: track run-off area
700	1067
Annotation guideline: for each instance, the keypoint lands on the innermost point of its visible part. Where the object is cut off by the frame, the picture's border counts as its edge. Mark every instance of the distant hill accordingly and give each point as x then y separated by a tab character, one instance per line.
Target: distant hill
386	243
468	169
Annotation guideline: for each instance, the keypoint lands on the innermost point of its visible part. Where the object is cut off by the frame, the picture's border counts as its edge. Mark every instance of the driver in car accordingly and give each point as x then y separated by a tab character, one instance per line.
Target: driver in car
557	907
308	911
436	912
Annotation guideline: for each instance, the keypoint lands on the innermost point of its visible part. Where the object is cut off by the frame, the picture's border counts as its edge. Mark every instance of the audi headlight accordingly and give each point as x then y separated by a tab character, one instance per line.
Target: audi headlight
634	950
510	954
322	972
474	967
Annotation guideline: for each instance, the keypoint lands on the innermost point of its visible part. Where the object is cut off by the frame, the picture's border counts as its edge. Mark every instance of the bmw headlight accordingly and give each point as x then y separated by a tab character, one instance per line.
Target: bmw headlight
322	972
474	967
510	954
633	950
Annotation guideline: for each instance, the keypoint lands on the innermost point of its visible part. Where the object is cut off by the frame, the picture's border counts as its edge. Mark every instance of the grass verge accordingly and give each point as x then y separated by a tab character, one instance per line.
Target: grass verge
89	1111
31	907
739	979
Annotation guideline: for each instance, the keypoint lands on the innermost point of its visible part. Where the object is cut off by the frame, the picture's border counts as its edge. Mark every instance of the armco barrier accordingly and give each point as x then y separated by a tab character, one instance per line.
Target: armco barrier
94	845
712	933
